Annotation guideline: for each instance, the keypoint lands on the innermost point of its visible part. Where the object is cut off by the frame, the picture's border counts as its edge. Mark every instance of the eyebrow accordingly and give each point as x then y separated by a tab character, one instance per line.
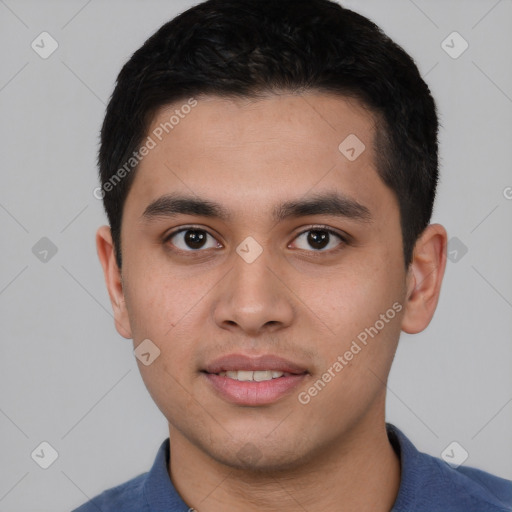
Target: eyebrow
338	205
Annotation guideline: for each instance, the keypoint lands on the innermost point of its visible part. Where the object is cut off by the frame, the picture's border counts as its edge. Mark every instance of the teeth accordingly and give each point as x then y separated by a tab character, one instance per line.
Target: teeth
242	375
258	376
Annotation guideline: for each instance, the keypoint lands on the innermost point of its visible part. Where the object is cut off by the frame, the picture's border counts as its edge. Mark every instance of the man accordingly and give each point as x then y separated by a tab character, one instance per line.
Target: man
269	171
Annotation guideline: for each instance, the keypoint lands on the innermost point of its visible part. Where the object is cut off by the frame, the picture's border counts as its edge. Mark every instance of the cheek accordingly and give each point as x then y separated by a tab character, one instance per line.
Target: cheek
363	313
155	308
357	310
347	301
171	391
160	310
157	302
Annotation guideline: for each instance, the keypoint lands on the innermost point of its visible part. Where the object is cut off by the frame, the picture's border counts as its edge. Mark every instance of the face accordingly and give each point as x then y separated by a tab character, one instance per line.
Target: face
251	241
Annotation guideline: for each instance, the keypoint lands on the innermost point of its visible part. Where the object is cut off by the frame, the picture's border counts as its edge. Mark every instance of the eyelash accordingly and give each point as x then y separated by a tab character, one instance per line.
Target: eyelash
343	239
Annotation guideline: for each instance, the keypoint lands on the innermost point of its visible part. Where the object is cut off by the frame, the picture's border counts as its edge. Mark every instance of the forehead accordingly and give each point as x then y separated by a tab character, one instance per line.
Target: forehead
248	153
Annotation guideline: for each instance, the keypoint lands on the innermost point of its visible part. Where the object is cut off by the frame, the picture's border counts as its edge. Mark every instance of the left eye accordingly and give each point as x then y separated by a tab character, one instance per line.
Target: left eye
192	239
319	239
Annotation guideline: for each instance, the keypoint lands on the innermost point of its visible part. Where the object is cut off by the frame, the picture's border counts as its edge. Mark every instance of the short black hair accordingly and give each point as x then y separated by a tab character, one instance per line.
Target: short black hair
247	48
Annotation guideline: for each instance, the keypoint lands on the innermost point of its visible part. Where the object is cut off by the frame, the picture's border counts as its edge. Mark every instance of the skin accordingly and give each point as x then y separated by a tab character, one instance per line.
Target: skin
295	300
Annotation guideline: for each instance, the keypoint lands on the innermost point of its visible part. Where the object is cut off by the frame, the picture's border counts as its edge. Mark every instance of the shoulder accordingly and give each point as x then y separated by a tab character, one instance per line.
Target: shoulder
470	489
430	484
127	497
148	492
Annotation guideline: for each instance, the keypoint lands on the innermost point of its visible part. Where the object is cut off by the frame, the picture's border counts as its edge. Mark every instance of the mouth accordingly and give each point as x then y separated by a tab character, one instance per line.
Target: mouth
253	376
249	381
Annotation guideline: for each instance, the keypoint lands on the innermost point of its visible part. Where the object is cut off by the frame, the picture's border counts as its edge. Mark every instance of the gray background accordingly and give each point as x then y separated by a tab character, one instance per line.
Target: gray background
68	378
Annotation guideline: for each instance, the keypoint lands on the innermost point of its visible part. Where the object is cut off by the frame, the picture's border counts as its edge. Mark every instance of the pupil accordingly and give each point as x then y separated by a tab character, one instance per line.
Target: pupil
195	239
318	239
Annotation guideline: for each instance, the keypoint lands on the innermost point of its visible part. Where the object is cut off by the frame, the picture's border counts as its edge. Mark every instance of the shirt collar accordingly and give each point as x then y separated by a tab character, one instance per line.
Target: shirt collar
410	464
159	492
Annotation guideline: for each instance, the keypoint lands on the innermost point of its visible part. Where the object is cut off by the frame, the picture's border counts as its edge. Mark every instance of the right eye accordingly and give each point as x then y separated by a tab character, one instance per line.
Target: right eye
192	239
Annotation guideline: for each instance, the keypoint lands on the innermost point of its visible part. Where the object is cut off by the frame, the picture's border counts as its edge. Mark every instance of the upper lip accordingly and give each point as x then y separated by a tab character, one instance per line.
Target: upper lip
233	362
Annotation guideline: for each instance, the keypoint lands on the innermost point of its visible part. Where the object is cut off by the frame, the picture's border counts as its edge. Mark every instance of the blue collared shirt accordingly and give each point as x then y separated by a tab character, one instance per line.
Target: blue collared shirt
427	484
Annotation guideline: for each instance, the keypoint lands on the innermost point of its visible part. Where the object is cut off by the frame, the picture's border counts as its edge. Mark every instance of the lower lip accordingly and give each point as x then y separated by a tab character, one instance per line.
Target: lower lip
251	392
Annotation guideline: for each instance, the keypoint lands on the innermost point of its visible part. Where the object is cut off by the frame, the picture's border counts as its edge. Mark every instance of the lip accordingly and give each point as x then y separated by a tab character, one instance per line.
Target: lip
234	362
252	393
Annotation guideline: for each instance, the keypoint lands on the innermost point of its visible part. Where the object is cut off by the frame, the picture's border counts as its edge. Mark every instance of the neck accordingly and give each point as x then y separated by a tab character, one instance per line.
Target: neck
359	472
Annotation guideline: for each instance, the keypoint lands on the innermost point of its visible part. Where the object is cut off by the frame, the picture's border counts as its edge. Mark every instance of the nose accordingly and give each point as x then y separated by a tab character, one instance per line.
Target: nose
252	299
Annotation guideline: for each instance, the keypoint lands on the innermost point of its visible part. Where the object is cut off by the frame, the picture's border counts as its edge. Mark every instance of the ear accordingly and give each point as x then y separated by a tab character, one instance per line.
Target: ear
113	280
424	278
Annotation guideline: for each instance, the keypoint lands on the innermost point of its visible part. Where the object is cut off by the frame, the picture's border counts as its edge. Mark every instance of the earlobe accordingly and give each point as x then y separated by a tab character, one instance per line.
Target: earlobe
424	279
113	280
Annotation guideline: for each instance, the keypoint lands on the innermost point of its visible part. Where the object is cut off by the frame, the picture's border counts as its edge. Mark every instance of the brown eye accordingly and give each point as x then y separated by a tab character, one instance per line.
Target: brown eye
319	239
190	239
194	239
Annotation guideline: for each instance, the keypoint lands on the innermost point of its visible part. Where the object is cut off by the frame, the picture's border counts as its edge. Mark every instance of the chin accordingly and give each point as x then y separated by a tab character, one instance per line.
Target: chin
264	459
